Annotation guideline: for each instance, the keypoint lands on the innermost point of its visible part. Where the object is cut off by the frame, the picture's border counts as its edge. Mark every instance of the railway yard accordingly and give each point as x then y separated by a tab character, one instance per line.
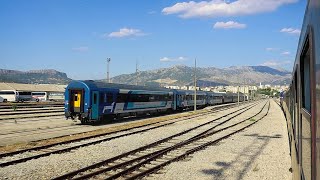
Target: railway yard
228	141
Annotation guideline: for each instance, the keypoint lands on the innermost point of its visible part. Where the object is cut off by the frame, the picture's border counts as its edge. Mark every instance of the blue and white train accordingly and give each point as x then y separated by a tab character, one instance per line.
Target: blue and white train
92	101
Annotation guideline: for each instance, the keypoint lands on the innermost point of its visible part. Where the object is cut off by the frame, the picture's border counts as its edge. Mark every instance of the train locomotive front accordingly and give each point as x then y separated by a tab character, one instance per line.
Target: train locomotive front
77	98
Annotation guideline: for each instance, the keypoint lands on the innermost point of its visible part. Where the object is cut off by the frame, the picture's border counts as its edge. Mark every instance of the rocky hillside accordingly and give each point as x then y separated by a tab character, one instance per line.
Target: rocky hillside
183	75
47	76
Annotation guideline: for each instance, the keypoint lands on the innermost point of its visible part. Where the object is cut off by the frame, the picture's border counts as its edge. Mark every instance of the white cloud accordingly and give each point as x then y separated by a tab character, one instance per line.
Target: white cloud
167	59
271	49
80	49
229	25
285	53
125	32
274	63
291	31
152	12
222	8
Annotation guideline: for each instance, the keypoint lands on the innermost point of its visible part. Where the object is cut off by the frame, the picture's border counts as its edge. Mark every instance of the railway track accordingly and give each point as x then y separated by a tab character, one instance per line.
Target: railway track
29	105
32	112
37	132
31	115
8	114
29	109
147	159
56	148
13	121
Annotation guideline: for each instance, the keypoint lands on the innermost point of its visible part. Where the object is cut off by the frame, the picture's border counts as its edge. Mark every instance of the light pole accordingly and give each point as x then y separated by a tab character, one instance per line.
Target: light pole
238	95
195	85
137	75
108	62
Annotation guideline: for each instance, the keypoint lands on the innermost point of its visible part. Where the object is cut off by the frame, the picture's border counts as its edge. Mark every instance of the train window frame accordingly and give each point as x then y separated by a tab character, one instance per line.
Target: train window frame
295	95
305	76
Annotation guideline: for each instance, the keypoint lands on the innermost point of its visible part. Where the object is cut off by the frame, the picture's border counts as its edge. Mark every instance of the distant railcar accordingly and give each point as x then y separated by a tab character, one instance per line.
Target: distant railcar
185	99
228	98
214	98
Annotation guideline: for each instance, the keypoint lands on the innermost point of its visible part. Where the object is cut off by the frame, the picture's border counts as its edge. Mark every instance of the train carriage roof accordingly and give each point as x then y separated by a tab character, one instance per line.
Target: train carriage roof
191	92
103	85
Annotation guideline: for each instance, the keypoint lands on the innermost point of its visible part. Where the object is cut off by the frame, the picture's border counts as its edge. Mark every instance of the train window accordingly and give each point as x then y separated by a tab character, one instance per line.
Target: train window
163	97
294	116
103	98
121	98
295	86
75	97
132	98
305	80
109	97
144	97
94	98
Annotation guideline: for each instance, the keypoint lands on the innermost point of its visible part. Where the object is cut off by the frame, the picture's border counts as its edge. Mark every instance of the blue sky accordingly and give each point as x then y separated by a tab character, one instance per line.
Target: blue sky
76	36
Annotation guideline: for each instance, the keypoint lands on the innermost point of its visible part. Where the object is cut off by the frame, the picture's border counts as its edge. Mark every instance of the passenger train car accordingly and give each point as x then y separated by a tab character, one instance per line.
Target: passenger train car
301	102
92	101
185	99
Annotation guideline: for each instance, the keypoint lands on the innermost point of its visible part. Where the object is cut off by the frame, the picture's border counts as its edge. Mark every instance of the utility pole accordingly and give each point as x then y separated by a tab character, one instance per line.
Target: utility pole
195	85
238	96
137	75
108	64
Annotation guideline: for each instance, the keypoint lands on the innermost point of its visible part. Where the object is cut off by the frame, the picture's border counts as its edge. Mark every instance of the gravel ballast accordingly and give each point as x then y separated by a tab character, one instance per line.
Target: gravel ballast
259	152
58	164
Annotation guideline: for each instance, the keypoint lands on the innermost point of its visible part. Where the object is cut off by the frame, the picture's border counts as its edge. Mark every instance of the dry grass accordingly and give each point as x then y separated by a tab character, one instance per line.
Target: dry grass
132	124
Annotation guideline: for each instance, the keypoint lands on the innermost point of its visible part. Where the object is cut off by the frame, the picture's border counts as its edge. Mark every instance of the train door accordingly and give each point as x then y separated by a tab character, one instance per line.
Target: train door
293	107
95	105
76	101
175	99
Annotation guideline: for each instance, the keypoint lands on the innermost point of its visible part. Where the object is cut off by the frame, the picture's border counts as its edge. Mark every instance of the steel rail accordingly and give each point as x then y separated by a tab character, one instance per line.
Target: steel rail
191	151
71	174
164	151
88	137
77	146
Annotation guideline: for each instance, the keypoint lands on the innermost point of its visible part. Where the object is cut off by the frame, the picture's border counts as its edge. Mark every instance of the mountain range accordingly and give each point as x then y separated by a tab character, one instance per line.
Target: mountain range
181	75
178	75
46	76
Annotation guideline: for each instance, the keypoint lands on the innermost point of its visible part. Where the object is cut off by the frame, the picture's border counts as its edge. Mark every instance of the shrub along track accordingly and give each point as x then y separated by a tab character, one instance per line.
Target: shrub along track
65	146
147	159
